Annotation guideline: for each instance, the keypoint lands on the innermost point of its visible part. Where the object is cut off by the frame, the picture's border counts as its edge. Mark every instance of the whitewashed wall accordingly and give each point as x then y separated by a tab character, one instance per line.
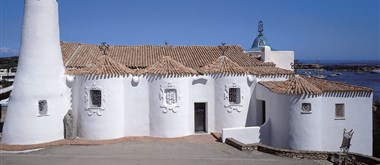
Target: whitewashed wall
272	78
103	124
319	130
76	98
170	121
358	111
305	128
277	111
40	76
24	125
282	59
202	91
248	135
254	115
227	115
136	106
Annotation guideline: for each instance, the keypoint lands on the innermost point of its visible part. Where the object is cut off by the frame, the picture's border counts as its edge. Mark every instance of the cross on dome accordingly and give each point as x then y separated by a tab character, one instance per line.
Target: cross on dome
261	27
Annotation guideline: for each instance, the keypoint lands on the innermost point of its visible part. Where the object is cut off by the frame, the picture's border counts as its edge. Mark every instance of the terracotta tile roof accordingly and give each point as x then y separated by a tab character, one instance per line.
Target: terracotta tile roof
298	85
68	49
334	86
222	65
104	65
167	66
268	71
77	55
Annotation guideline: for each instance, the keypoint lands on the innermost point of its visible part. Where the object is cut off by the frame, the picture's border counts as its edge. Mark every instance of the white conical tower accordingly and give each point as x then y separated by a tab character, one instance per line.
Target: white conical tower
38	101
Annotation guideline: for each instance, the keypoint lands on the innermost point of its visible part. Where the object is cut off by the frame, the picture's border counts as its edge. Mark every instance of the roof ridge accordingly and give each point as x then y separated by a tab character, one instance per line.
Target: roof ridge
167	65
222	65
233	45
105	65
304	86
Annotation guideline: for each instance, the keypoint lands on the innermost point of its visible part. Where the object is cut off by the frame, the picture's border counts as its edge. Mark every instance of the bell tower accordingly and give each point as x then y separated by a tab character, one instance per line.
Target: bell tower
262	50
39	99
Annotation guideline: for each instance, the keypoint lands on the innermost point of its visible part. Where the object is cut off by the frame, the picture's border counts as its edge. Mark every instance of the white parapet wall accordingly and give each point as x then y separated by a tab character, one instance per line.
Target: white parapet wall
249	135
246	135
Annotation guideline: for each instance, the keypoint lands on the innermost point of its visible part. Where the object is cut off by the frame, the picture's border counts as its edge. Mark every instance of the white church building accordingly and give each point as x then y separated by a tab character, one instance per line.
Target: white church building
174	91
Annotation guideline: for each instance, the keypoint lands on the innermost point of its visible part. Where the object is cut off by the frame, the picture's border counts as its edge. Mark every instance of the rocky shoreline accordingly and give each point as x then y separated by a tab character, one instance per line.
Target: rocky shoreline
351	68
340	67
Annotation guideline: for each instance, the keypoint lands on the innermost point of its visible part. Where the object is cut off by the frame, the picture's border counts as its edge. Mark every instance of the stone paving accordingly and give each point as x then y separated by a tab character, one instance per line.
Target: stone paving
202	138
195	149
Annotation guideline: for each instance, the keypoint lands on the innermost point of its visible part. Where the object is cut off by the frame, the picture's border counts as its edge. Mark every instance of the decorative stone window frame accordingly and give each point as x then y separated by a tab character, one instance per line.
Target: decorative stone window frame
306	108
233	106
43	109
162	97
90	109
343	117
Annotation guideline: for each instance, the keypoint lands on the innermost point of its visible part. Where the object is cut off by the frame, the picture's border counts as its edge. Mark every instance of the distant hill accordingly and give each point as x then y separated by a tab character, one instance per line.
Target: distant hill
8	62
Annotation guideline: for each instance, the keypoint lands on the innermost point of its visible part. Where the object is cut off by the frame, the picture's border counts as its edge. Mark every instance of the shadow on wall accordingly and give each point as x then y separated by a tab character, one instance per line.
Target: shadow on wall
1	127
97	77
2	117
348	94
265	133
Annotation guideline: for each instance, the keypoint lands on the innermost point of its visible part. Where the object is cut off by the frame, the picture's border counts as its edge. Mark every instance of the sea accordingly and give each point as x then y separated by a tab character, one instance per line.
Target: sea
367	79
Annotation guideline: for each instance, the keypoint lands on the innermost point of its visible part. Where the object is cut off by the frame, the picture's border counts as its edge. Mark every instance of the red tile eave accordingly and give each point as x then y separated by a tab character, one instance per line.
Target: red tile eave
311	86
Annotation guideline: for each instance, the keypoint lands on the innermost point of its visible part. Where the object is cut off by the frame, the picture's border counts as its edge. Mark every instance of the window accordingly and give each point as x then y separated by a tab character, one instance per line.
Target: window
42	107
170	96
306	108
234	95
95	98
339	111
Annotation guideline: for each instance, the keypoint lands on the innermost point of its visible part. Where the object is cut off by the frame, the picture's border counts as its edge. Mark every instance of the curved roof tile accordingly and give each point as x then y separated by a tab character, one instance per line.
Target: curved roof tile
222	65
166	65
105	65
296	85
299	85
76	55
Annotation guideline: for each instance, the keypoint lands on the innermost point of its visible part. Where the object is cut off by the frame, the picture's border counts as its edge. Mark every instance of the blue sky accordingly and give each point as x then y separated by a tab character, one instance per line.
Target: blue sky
323	29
